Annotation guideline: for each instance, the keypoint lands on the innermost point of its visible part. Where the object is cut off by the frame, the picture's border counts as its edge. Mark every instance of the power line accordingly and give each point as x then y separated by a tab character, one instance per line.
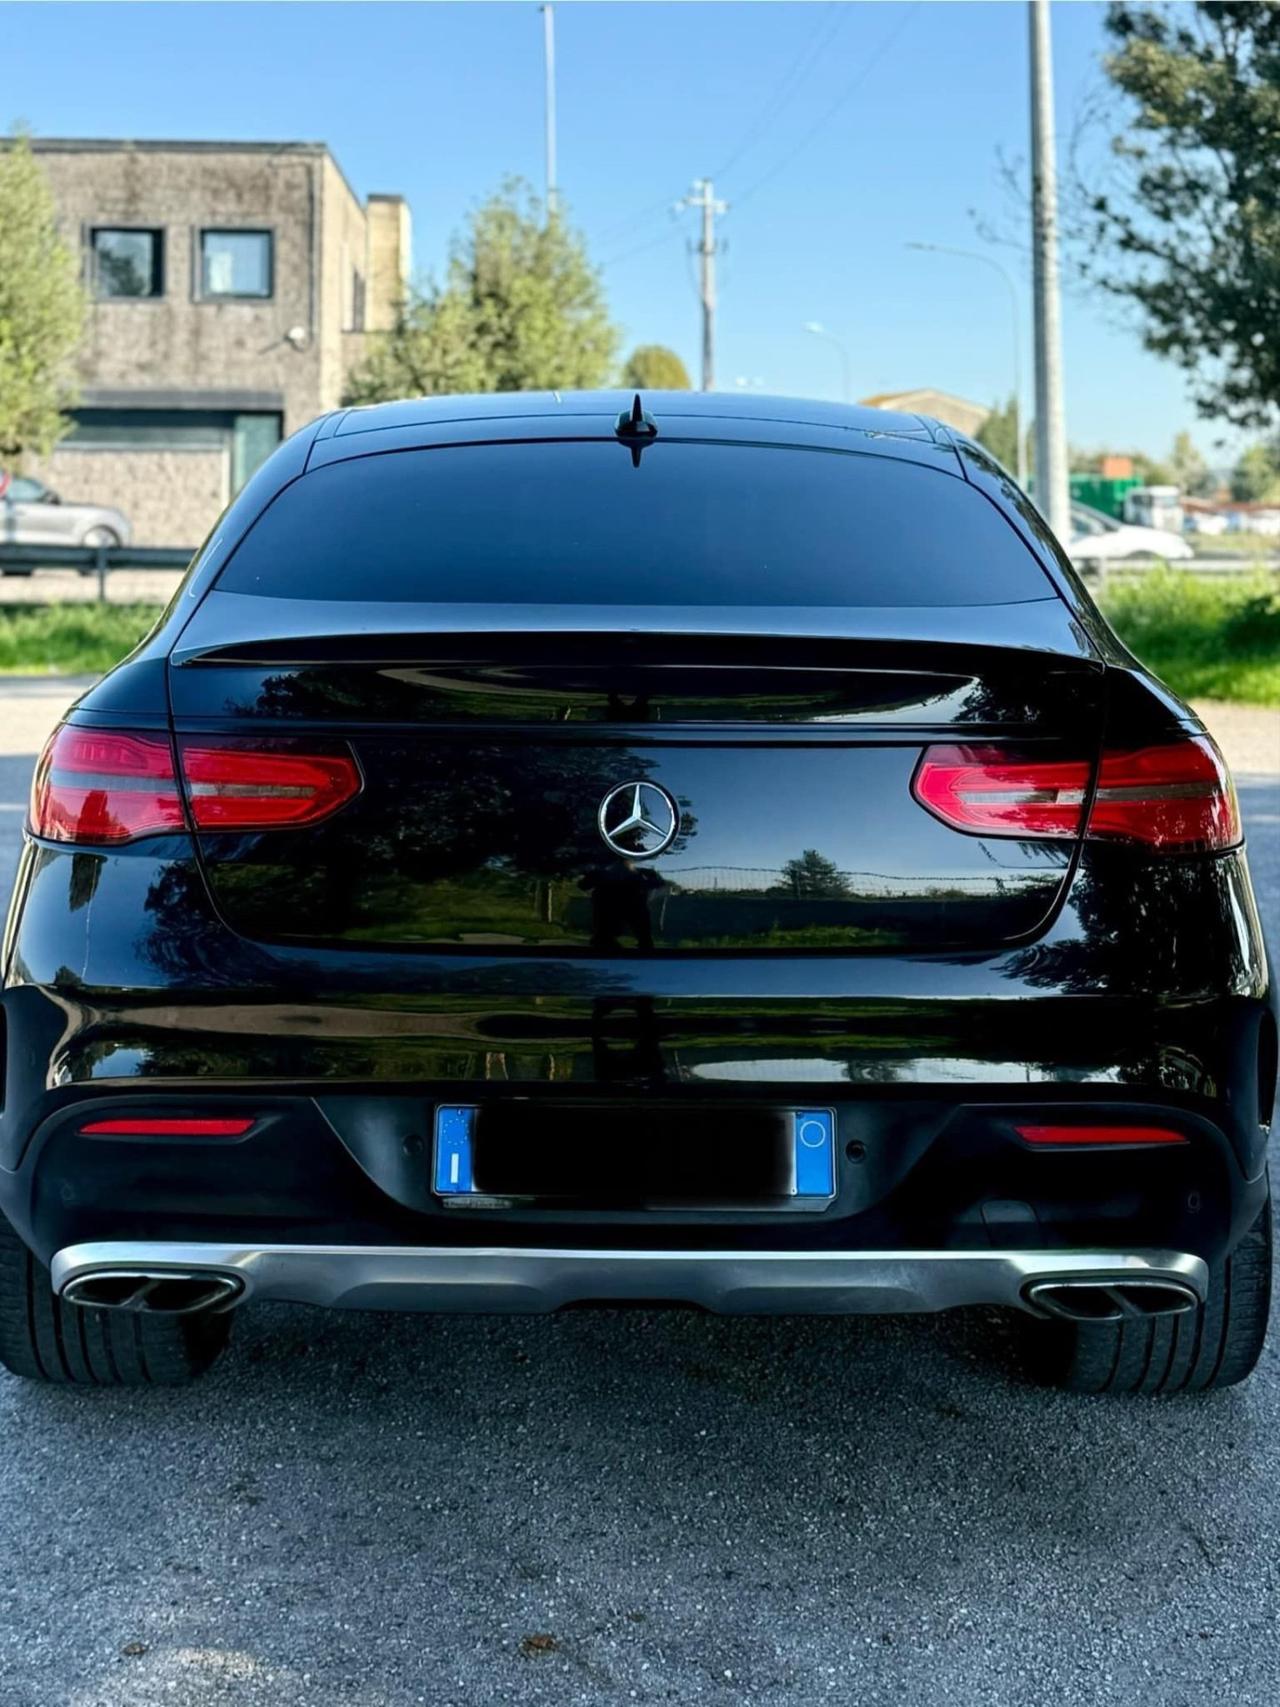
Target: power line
653	242
841	101
821	38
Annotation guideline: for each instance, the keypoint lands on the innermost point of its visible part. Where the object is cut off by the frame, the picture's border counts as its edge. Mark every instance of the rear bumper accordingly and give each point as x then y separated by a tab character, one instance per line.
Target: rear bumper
946	1180
730	1282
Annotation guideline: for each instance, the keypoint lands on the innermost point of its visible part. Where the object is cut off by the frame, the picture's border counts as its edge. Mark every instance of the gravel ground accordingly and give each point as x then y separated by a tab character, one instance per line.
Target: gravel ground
605	1507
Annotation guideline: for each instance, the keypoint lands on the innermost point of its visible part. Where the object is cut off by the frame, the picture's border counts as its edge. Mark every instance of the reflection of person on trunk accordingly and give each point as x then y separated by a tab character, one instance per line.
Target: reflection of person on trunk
620	897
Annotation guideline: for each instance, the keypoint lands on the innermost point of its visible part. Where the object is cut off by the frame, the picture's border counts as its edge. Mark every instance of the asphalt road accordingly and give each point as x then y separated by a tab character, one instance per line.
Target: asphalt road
609	1508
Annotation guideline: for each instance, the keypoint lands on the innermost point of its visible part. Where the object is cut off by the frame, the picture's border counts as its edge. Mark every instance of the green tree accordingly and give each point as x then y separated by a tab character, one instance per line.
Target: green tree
1189	232
1189	469
521	309
653	367
999	434
1255	476
41	310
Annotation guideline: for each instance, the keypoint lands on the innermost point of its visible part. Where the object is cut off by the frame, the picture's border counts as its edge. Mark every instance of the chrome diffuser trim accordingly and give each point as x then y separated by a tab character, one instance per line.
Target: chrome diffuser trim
498	1278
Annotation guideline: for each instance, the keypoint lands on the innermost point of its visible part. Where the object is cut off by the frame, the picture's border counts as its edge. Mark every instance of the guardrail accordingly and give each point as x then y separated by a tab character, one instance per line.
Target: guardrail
99	560
1099	573
103	560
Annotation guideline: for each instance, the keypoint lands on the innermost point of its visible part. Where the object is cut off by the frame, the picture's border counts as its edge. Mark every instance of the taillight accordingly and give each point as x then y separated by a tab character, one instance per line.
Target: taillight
98	787
986	790
264	785
1176	797
104	785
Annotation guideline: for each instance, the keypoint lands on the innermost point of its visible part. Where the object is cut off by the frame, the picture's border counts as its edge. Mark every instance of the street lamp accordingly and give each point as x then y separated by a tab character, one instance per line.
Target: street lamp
820	331
1007	276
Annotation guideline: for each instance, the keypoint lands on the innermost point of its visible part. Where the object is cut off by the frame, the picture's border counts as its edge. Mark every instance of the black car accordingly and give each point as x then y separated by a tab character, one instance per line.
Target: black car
573	849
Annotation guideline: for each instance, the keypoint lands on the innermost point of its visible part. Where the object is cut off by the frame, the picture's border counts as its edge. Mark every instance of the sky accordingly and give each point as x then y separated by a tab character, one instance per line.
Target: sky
837	134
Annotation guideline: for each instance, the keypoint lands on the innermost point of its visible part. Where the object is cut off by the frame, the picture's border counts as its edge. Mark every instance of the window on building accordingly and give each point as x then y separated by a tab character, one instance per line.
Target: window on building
127	261
235	263
246	440
357	302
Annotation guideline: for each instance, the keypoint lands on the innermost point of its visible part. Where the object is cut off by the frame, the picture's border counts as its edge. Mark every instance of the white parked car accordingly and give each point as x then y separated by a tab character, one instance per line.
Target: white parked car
1096	538
32	514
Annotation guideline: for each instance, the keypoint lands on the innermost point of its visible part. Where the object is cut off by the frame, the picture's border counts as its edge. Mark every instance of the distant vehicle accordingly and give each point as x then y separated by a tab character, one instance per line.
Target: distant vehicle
31	513
1208	522
1154	507
1254	521
1096	538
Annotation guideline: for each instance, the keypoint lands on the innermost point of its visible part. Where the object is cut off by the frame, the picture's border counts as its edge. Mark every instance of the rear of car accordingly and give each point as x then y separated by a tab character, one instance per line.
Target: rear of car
550	853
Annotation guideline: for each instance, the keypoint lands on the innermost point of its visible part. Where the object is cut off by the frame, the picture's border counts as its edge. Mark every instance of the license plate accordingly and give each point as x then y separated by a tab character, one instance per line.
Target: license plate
604	1157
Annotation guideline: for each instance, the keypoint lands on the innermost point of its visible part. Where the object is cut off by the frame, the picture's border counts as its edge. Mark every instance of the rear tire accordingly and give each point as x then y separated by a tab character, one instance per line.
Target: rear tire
43	1339
1215	1345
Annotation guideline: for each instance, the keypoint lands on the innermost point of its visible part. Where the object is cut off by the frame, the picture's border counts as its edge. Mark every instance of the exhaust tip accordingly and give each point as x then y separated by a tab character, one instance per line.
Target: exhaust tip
163	1292
1111	1301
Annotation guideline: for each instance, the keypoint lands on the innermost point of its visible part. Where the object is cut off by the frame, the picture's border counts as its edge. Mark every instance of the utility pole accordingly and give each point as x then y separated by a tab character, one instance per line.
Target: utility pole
1052	485
549	60
702	198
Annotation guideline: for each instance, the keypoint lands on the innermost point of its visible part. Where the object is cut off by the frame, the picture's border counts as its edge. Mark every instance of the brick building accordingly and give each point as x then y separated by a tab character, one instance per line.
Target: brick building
231	285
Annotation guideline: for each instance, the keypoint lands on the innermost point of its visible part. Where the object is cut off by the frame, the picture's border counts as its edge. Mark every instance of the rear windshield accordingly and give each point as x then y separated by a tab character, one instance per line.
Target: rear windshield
694	524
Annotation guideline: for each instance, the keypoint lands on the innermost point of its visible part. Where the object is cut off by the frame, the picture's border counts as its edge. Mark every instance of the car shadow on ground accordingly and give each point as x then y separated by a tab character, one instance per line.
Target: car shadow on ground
616	1479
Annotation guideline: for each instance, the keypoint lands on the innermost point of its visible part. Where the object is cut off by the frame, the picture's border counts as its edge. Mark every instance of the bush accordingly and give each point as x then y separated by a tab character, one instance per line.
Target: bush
70	639
1214	636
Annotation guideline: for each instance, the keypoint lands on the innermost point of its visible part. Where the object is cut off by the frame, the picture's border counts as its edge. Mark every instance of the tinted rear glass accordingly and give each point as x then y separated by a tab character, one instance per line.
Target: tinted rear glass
694	524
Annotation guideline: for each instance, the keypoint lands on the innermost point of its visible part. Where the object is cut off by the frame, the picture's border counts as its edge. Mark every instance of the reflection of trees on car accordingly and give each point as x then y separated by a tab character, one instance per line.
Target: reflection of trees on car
812	876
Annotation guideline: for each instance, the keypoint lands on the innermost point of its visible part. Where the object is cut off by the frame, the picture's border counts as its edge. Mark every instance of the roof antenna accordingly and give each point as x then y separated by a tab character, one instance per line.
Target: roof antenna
636	429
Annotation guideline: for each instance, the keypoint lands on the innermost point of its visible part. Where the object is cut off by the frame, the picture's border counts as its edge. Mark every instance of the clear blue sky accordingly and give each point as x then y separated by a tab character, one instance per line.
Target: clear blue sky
891	134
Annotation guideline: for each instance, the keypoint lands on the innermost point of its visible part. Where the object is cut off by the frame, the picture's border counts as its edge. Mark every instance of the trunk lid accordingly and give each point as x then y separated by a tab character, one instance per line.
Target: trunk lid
488	758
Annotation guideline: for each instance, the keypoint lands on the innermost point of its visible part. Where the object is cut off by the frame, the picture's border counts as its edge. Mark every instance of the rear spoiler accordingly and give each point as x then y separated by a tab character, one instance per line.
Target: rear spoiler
242	627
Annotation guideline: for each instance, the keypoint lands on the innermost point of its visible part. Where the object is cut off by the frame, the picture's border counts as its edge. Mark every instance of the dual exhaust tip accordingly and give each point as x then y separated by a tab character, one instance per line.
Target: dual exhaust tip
1111	1300
161	1292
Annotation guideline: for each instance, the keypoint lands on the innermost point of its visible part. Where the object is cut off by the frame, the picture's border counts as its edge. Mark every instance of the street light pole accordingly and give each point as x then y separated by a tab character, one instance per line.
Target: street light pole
1052	485
820	331
1016	322
549	65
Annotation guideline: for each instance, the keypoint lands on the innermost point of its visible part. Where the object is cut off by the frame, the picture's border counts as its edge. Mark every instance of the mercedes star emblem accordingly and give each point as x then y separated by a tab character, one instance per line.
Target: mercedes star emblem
638	819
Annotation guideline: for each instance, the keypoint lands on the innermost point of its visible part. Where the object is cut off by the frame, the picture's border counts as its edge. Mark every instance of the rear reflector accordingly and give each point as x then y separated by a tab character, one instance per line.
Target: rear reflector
103	786
1100	1135
1176	797
230	1126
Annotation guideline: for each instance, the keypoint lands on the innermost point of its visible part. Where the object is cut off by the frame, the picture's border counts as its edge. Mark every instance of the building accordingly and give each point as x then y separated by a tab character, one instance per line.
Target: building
957	412
231	287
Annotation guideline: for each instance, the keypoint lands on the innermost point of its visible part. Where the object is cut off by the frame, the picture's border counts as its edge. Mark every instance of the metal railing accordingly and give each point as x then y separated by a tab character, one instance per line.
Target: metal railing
99	560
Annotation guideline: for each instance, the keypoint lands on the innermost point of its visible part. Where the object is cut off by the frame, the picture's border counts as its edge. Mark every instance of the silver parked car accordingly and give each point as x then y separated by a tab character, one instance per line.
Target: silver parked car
32	514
